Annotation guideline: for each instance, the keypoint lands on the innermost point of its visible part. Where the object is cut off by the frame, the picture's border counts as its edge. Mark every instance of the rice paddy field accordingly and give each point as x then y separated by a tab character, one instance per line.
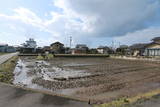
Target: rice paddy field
97	80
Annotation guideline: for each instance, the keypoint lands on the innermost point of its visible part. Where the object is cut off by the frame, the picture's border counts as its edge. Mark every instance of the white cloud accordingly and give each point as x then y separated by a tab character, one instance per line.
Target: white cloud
139	36
110	17
83	19
10	39
24	15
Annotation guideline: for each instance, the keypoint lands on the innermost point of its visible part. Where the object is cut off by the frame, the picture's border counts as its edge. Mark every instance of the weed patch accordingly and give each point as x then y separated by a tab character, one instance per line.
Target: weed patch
6	70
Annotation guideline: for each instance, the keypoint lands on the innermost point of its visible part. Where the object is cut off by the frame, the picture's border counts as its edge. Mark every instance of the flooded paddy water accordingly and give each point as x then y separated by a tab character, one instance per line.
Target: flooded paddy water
29	69
97	79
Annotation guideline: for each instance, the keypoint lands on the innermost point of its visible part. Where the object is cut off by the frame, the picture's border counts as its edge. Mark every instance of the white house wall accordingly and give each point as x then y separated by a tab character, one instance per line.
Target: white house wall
153	50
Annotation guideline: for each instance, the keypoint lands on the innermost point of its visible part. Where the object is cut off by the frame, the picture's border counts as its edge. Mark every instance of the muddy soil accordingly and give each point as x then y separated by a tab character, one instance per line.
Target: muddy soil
95	79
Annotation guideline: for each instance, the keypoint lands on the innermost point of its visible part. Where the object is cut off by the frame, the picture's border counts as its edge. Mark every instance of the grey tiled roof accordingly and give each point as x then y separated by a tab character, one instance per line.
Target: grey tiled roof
156	38
138	46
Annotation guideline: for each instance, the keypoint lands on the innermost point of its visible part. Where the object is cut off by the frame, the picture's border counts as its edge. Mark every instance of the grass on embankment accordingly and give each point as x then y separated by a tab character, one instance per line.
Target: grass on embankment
2	53
126	102
6	70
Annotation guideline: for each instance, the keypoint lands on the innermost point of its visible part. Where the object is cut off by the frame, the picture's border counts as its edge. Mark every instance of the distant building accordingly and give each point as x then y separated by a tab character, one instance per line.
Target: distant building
67	50
10	49
39	50
137	49
150	49
123	50
46	49
103	50
57	48
7	49
156	40
30	43
81	46
153	49
80	49
29	46
93	51
3	47
18	48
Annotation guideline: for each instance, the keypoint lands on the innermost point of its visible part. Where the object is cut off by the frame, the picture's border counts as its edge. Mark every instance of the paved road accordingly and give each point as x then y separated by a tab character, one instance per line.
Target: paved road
16	97
4	58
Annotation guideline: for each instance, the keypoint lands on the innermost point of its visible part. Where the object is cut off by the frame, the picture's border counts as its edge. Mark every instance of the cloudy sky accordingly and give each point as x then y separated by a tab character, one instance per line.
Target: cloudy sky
91	22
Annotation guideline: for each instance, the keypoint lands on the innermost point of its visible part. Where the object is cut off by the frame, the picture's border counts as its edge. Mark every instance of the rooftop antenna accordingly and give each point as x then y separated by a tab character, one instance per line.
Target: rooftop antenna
70	41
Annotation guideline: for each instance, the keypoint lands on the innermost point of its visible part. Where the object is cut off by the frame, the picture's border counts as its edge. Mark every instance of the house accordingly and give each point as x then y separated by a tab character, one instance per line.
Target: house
104	50
80	49
39	50
93	51
29	46
153	49
46	49
17	47
67	50
10	49
3	47
57	48
30	43
7	49
123	50
137	49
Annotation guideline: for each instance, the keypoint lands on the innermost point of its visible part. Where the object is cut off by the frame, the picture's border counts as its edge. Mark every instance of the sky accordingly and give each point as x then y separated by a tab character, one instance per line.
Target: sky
91	22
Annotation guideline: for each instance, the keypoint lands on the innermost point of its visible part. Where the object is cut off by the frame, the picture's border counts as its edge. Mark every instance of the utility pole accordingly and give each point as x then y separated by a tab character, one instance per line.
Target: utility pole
70	42
119	44
112	44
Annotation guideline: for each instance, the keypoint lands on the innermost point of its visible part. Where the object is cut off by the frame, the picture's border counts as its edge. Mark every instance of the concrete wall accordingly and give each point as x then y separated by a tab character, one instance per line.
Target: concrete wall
153	50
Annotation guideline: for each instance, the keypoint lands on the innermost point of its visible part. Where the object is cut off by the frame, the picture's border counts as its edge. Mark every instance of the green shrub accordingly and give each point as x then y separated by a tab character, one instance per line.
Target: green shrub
39	57
49	56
